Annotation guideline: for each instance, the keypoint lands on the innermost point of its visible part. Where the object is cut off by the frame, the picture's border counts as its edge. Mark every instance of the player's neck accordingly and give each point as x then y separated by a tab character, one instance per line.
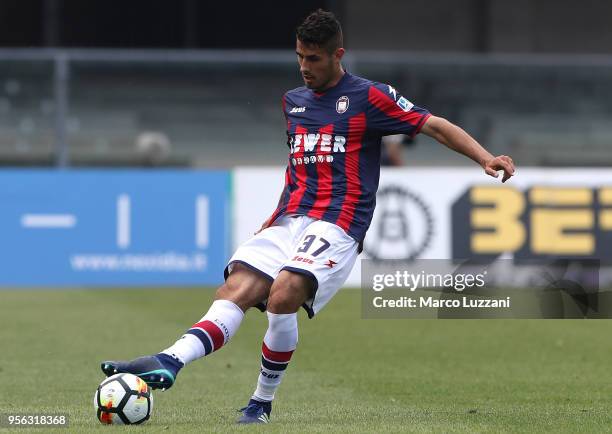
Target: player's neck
334	81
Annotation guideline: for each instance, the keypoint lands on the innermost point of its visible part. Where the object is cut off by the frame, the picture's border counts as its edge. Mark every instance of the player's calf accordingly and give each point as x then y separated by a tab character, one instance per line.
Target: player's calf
278	346
206	336
209	334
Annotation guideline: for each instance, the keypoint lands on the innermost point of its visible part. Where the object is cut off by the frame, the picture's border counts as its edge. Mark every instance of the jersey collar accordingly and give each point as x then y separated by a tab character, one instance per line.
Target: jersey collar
336	86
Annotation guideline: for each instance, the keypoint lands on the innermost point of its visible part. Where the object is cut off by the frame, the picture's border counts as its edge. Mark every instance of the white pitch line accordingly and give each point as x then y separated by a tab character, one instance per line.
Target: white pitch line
48	221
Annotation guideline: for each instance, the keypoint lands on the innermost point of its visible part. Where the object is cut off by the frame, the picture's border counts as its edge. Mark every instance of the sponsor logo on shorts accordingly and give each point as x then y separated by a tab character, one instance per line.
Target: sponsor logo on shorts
302	259
331	263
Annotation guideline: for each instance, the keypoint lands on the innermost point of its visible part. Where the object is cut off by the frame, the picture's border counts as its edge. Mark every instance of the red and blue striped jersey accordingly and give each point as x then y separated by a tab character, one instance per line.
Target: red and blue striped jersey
334	141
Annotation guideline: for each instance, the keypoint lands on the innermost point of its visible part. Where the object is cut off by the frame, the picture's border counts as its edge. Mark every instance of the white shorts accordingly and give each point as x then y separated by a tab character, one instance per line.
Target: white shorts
315	248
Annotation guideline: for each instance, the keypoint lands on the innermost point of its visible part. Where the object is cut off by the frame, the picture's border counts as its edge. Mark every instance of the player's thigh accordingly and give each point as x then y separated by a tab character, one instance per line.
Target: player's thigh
265	252
325	255
245	287
255	264
289	291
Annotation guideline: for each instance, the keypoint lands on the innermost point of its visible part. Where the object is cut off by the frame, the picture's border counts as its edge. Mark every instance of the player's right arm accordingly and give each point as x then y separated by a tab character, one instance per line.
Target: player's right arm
458	140
391	113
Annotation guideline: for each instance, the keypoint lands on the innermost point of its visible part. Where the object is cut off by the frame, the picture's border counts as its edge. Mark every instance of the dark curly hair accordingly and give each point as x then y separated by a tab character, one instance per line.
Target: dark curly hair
321	29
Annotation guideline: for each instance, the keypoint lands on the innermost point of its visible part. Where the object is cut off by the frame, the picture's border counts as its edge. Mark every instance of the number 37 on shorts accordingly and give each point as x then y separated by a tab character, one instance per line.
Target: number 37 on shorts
300	244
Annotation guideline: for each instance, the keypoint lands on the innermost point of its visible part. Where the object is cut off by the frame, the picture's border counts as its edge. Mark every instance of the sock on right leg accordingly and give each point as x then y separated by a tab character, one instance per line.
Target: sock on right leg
214	330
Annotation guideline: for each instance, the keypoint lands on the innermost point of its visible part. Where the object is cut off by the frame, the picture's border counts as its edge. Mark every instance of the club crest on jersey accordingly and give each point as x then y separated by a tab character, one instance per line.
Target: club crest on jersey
342	104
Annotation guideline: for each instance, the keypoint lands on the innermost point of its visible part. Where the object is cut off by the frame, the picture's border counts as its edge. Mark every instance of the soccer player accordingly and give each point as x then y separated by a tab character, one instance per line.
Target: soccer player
304	252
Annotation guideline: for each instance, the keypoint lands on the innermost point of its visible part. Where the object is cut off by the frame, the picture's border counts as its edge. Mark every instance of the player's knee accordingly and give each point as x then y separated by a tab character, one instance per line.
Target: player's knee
227	291
244	287
282	302
289	292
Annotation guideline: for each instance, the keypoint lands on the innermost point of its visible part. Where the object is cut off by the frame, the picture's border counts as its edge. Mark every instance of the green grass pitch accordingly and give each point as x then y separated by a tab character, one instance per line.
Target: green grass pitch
347	375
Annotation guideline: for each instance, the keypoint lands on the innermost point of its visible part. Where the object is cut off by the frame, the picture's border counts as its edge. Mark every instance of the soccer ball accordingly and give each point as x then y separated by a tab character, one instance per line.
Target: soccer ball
123	399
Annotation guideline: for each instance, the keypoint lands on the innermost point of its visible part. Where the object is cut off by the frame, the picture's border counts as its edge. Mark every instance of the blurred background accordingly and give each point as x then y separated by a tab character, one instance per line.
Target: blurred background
195	83
188	84
141	141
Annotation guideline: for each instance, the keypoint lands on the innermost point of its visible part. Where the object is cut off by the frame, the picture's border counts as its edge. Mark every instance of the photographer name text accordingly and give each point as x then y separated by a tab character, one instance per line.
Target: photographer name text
433	302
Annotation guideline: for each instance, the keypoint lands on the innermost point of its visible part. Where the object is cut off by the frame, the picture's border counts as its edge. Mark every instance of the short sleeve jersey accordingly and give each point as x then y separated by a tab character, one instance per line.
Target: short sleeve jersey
334	141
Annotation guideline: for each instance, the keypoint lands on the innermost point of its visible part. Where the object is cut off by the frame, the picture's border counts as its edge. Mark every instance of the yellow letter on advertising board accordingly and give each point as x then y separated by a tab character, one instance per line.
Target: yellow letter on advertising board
550	222
502	215
605	215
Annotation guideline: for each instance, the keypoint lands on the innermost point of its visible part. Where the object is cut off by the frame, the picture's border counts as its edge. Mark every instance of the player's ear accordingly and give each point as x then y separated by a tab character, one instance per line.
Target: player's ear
339	53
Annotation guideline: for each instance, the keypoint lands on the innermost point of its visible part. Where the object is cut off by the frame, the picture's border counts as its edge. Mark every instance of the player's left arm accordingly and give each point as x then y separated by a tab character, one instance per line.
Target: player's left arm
458	140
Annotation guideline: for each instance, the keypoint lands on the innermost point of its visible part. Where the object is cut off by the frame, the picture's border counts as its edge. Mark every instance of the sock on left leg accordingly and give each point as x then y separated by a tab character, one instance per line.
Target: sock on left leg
279	343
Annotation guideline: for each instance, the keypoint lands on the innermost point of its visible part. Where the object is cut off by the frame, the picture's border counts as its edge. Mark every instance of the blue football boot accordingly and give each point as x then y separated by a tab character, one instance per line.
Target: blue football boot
158	371
256	412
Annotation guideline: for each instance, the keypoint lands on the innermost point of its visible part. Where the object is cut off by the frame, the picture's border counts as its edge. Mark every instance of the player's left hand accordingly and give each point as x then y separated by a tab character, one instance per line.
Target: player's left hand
502	162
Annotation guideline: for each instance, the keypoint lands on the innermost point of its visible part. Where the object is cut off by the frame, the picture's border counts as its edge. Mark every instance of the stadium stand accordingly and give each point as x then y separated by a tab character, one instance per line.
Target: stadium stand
546	113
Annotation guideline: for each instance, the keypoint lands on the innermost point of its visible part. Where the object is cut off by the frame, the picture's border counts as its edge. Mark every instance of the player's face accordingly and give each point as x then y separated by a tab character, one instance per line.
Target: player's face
317	66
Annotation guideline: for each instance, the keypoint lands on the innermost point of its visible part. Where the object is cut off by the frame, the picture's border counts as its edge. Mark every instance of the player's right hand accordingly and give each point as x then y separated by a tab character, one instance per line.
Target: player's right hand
502	162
